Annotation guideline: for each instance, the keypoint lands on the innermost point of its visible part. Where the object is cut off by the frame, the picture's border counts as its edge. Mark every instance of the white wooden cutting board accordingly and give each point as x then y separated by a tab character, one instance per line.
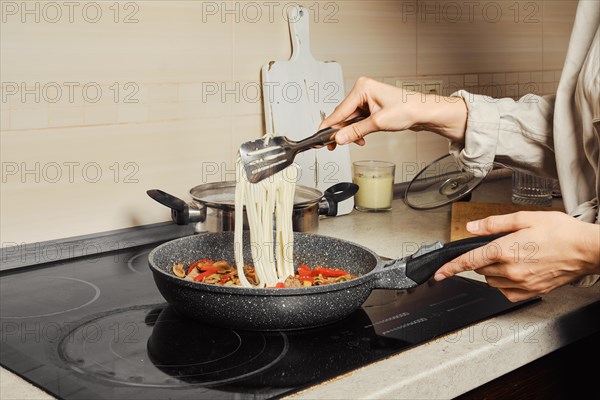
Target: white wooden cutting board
297	95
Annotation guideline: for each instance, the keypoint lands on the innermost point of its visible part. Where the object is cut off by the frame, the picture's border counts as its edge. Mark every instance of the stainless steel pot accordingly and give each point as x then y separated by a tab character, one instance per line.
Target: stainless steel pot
213	206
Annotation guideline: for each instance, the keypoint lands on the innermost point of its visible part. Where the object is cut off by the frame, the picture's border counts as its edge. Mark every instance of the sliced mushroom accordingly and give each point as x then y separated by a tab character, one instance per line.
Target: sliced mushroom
214	278
220	264
178	270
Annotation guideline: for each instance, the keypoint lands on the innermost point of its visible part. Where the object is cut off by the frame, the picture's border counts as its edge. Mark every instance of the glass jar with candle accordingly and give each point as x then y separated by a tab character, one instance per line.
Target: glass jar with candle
375	180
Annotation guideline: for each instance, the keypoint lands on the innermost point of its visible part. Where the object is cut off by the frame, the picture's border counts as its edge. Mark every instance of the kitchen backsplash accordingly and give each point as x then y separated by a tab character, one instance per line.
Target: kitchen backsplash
104	100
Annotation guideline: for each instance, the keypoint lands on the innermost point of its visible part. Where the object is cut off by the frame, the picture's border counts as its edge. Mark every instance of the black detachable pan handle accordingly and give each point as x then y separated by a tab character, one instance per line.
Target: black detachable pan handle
421	268
334	195
181	212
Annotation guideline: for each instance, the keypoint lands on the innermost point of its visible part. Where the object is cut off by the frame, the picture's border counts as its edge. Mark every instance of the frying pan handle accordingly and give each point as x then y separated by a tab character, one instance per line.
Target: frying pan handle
181	212
334	195
421	268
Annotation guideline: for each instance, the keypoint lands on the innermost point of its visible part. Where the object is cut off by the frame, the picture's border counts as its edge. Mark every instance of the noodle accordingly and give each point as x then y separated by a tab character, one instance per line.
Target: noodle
271	199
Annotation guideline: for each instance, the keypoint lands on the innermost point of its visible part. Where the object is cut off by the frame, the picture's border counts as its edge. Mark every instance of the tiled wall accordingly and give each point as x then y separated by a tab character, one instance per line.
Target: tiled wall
102	101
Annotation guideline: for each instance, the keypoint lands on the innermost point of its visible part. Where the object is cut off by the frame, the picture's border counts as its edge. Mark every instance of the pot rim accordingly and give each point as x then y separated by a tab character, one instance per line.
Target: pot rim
310	196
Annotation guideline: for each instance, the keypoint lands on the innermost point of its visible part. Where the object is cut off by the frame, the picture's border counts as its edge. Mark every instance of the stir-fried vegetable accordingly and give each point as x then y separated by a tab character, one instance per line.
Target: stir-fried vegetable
223	274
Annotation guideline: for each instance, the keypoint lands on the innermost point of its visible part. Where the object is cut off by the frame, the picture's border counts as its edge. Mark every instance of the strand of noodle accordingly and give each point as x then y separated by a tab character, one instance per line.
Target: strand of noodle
288	238
279	235
271	192
266	208
252	203
269	200
285	231
257	200
238	239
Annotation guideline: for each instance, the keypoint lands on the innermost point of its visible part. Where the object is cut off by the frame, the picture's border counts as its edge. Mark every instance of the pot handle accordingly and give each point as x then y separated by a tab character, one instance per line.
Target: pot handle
421	268
335	194
181	212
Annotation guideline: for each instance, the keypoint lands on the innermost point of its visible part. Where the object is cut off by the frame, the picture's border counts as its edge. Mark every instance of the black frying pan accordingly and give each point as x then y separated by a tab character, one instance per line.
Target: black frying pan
294	308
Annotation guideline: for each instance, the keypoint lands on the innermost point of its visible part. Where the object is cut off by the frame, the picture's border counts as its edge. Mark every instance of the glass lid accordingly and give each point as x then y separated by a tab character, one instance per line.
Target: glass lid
441	182
222	194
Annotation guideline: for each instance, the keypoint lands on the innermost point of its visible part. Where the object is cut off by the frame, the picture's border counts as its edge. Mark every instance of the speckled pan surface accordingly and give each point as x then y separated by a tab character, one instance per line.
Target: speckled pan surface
268	309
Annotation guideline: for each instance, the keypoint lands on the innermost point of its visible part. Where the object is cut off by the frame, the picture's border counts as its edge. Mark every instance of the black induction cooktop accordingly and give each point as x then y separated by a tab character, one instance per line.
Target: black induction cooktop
97	328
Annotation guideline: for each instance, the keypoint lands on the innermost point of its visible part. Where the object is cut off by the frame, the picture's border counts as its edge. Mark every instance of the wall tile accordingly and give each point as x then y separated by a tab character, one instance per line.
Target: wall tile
457	37
536	76
524	77
456	79
512	78
159	93
65	116
512	90
430	147
132	113
499	78
195	90
131	159
559	16
374	38
4	120
531	87
163	111
349	84
29	119
258	40
548	76
549	87
249	101
4	100
101	114
29	96
486	79
168	40
471	79
243	129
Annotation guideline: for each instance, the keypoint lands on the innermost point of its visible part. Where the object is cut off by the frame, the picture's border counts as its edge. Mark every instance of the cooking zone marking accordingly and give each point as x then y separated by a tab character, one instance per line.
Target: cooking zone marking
397	316
98	351
133	259
49	302
415	322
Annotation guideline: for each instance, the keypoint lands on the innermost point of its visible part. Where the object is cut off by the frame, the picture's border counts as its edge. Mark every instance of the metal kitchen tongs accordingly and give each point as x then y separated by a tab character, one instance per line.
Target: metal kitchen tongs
262	159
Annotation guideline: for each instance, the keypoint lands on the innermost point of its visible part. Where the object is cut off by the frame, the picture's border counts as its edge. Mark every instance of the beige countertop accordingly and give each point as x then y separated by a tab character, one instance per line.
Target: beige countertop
450	365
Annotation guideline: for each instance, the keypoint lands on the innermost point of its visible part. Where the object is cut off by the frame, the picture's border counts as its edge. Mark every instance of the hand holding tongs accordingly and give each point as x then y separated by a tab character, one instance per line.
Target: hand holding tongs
262	159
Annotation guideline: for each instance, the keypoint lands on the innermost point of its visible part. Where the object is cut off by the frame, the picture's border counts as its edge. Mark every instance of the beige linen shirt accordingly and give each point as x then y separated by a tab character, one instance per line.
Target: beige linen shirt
557	135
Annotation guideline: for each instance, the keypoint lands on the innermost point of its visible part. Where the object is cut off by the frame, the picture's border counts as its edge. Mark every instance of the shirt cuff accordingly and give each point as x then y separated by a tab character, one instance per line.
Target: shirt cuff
477	153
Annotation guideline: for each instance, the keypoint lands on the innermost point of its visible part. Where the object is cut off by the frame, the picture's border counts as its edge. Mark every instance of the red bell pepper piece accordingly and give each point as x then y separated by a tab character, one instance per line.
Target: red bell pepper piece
207	272
202	261
280	285
304	270
329	272
225	278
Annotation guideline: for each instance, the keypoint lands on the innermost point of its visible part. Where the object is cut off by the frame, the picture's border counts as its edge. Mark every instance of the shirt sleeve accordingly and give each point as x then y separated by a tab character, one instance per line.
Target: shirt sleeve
517	134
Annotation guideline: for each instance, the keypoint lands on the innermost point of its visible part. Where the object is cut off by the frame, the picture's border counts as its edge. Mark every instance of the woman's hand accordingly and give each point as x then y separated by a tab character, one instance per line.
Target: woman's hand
547	250
383	104
389	108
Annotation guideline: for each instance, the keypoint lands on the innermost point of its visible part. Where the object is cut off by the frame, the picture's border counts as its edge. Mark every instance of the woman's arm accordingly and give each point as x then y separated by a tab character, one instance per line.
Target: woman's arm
393	109
481	129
